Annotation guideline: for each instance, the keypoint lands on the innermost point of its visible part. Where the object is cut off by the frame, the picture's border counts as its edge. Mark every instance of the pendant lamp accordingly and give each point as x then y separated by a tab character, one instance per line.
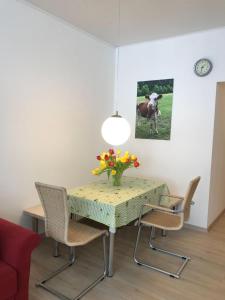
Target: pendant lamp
115	129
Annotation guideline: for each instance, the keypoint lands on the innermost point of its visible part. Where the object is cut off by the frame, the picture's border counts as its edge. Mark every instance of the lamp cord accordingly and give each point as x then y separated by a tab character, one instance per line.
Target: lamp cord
117	60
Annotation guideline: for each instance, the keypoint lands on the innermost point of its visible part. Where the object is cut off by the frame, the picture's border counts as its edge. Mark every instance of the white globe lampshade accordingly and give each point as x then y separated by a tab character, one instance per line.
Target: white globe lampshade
116	130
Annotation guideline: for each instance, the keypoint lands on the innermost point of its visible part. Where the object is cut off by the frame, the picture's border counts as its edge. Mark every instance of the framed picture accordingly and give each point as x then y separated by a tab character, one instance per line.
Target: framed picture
154	109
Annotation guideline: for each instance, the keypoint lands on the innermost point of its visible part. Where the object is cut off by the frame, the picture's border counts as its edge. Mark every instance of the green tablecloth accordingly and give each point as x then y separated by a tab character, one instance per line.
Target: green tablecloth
115	206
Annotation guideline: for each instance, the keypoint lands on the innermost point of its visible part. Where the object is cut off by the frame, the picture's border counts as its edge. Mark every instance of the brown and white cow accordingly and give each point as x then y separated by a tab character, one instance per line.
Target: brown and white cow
149	109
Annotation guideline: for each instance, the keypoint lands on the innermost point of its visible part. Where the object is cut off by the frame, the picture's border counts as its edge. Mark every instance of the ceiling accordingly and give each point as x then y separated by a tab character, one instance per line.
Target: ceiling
141	20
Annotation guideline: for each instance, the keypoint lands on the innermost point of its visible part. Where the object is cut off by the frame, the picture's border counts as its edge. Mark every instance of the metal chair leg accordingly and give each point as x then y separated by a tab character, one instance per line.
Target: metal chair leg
53	274
72	254
153	233
163	233
56	249
142	263
70	263
136	244
100	278
35	224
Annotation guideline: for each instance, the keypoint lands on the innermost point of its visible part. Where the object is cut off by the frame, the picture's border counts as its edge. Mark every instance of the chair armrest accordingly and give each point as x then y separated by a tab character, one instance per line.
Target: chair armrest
173	211
172	196
16	246
177	200
159	208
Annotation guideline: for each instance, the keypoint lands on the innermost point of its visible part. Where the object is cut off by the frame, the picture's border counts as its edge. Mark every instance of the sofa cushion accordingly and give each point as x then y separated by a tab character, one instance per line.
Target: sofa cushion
8	281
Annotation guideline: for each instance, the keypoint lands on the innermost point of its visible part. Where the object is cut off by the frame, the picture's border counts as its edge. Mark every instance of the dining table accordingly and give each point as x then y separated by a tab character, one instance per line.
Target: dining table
116	206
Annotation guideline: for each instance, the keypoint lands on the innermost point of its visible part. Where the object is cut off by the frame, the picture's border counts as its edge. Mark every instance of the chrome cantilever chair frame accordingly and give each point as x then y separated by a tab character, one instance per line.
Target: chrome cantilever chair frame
154	248
57	225
180	214
71	261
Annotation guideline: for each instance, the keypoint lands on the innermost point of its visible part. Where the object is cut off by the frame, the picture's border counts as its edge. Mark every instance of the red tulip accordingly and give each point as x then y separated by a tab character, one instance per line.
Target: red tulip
98	157
106	157
136	164
111	164
111	151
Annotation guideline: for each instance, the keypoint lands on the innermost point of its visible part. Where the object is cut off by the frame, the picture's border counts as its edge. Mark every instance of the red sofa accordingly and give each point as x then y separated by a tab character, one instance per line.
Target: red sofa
16	246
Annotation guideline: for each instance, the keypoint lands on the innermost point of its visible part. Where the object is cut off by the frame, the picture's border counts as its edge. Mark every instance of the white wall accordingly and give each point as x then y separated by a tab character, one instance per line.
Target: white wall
56	88
217	186
188	153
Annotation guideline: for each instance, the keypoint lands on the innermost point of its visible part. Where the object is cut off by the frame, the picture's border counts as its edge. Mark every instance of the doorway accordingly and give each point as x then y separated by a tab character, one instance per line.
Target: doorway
217	181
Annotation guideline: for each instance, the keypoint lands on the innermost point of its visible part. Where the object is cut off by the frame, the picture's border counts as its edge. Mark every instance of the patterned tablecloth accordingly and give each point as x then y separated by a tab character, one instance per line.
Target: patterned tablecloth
115	206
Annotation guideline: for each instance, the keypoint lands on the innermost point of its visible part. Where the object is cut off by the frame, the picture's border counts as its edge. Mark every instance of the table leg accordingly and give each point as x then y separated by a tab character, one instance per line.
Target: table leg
35	224
112	232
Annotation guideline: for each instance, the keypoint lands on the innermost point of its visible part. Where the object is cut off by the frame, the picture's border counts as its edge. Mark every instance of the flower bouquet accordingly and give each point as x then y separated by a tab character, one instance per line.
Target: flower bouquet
114	164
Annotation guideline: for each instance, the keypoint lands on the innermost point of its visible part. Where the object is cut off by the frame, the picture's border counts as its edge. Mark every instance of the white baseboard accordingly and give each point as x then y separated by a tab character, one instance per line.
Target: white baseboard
194	227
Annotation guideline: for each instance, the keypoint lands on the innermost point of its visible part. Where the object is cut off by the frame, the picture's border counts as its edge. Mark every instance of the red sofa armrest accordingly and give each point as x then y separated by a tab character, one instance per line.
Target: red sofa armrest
16	246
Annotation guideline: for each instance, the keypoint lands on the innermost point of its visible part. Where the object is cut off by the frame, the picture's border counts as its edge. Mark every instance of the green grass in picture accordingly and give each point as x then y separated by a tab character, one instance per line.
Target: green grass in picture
142	130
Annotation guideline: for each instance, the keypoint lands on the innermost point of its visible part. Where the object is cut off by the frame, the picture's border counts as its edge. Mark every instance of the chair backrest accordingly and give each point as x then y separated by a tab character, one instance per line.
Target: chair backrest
54	202
186	205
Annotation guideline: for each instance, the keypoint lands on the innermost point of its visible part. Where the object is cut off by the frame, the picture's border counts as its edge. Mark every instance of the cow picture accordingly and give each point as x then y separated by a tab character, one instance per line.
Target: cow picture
154	109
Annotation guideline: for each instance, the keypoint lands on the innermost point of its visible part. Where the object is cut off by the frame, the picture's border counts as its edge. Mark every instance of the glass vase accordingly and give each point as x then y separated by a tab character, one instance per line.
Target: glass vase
116	179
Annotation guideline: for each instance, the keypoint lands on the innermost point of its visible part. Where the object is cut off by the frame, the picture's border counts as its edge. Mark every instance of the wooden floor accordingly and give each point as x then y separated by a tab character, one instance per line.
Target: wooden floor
202	279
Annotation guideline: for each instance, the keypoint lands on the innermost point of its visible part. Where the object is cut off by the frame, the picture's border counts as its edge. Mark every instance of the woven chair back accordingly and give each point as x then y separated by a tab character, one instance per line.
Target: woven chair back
189	196
54	202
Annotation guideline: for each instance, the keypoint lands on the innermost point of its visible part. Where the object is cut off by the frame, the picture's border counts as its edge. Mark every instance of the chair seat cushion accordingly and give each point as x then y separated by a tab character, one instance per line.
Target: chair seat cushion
80	234
8	281
162	220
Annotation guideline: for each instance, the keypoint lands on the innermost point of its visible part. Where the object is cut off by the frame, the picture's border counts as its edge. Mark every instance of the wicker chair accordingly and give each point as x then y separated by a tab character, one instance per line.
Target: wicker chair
166	219
62	229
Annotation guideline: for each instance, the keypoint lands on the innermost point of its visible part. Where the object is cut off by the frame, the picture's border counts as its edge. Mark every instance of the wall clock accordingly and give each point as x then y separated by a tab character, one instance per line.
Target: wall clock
203	67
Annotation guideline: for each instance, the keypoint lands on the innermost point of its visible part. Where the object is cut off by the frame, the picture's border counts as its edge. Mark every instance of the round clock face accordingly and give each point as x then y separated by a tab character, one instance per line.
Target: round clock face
203	67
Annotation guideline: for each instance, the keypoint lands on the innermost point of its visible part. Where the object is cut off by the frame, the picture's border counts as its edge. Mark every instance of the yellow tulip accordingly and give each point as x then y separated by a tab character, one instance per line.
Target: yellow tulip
103	155
127	155
96	171
123	159
102	165
113	172
133	157
118	151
